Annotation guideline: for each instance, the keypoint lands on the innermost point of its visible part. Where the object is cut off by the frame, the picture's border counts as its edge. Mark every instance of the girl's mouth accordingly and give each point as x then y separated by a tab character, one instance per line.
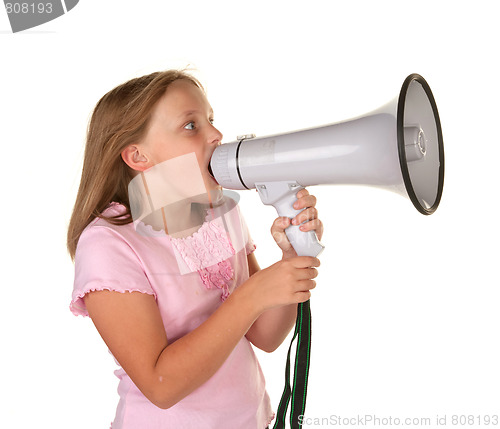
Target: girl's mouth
210	171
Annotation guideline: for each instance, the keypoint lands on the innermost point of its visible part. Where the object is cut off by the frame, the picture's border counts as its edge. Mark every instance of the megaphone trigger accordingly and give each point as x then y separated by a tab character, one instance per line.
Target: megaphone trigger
282	195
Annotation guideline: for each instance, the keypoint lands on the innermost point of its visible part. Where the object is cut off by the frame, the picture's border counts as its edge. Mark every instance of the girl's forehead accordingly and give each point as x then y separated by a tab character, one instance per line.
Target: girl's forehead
183	95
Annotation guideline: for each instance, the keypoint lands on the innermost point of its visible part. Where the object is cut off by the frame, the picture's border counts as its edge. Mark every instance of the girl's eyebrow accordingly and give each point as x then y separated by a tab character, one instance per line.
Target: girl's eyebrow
191	112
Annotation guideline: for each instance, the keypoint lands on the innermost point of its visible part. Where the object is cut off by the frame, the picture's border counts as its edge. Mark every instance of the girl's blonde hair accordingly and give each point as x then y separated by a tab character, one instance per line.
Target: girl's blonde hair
119	119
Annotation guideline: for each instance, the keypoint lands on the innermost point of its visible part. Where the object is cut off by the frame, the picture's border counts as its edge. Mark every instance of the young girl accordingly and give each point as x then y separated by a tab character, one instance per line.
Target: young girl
176	293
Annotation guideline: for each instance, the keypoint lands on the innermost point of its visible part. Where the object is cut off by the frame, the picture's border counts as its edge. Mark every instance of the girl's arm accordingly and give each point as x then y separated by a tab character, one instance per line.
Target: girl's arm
131	325
272	327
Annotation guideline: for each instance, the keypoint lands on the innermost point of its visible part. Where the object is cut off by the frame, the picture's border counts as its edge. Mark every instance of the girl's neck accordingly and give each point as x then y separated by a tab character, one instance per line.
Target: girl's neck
177	220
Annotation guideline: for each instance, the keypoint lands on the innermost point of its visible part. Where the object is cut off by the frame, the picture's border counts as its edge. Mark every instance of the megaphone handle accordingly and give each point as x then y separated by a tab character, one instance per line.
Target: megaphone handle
282	196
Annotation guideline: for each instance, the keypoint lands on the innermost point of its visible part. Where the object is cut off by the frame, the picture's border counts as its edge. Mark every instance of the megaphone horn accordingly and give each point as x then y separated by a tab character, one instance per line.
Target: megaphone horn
398	147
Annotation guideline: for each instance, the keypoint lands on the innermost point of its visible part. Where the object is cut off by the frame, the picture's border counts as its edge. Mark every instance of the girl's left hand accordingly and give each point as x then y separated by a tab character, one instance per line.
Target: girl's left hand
309	215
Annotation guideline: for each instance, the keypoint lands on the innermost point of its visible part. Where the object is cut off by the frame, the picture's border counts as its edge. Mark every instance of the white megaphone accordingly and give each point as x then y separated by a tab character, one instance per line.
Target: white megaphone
398	147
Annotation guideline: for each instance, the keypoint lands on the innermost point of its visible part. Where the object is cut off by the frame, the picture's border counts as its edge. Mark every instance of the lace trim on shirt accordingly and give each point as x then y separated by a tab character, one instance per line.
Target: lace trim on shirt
207	251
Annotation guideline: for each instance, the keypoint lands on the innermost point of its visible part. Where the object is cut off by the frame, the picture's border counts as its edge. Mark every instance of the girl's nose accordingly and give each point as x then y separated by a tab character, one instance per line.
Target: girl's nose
215	136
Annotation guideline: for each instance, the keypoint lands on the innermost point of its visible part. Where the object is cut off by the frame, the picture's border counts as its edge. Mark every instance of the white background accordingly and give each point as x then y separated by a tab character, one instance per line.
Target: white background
406	312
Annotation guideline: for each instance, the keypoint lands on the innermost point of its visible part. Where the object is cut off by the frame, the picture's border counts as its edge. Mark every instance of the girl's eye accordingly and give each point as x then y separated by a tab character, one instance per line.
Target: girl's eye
211	121
189	126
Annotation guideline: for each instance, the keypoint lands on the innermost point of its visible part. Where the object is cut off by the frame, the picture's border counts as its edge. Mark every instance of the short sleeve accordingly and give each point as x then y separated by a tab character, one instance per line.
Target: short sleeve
104	260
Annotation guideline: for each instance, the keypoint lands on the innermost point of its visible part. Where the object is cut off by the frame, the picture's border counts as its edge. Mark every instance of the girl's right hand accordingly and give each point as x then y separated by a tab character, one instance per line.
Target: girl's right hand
286	282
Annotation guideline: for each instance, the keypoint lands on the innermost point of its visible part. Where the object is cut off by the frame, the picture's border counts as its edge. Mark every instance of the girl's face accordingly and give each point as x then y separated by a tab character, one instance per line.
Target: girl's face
182	123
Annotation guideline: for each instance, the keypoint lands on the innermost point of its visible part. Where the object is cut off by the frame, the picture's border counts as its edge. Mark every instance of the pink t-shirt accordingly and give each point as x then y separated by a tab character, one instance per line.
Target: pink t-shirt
189	278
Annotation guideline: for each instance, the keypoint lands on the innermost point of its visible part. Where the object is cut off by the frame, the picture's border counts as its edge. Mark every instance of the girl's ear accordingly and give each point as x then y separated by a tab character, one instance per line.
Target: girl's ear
134	157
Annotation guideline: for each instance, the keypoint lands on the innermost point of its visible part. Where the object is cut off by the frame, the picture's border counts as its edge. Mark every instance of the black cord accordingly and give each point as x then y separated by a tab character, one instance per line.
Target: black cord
301	371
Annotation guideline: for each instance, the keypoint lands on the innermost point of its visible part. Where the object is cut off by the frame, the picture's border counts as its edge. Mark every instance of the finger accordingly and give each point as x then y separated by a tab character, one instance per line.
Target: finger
308	273
278	232
305	261
304	201
280	224
309	284
305	215
302	193
278	228
313	273
282	240
302	296
305	285
313	225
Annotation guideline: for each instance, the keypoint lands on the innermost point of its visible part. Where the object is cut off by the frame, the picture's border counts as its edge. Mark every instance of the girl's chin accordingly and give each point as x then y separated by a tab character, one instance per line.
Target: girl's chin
210	182
213	197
